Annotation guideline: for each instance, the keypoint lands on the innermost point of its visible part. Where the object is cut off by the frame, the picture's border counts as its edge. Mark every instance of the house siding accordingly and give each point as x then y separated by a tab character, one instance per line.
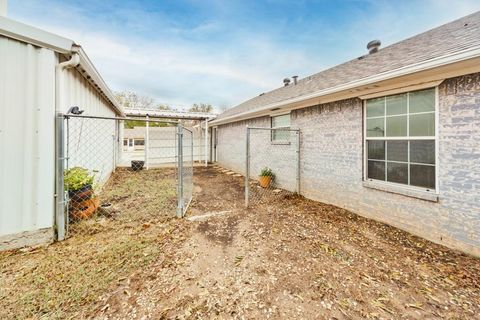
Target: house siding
331	166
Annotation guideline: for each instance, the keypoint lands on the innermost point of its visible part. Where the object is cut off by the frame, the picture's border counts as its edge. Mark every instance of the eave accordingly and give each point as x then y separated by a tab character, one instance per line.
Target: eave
437	69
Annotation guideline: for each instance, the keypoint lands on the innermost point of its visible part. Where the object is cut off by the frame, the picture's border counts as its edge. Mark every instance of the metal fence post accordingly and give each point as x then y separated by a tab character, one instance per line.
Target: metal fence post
247	167
298	161
146	142
191	144
206	143
60	214
180	171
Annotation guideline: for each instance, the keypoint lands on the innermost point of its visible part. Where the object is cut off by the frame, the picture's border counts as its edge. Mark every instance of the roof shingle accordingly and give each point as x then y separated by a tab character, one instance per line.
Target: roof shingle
452	37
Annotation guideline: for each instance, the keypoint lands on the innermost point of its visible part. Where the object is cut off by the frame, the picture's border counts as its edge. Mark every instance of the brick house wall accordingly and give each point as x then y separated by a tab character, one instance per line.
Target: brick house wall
331	166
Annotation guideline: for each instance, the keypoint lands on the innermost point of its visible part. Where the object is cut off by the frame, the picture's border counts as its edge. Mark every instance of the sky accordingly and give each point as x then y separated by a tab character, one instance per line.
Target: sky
182	52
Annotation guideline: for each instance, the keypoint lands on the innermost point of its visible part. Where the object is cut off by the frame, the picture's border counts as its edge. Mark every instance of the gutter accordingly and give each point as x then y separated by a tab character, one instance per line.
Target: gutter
462	55
96	79
22	32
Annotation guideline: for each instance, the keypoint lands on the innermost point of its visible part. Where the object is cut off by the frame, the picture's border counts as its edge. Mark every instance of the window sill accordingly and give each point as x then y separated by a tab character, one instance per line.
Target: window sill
419	194
281	142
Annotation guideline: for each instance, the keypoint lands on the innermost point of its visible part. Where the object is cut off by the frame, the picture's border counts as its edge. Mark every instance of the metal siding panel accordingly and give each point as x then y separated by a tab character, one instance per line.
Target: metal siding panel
27	105
84	133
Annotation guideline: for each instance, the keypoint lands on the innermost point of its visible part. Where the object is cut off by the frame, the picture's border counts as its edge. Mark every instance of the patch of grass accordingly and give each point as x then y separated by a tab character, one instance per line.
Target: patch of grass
64	280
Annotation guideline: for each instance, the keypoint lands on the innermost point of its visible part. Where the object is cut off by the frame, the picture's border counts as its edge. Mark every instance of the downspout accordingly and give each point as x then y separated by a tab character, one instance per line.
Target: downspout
60	217
73	62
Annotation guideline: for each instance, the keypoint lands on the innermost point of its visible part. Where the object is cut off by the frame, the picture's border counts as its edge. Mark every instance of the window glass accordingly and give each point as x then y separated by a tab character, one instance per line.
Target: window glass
139	142
397	126
376	107
394	151
422	125
397	172
422	151
125	142
397	150
376	170
396	104
422	101
281	121
280	135
375	127
422	176
376	149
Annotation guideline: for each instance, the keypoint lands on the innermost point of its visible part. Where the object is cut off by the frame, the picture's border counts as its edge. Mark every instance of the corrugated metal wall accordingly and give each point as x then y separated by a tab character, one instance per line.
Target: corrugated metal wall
27	133
27	110
91	142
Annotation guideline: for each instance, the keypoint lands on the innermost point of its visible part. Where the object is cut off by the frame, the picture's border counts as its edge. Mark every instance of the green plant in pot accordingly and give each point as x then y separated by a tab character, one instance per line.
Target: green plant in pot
78	182
266	177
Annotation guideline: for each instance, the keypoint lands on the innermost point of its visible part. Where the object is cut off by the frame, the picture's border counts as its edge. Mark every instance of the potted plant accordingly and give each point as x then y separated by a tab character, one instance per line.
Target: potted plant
266	176
79	184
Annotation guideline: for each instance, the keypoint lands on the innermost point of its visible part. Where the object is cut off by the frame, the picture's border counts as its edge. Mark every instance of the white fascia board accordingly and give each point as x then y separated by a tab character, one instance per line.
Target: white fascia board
97	79
459	56
25	33
44	39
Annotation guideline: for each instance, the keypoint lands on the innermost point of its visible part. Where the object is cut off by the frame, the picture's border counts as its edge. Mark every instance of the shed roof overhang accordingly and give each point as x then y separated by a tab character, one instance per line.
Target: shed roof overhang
430	72
169	114
44	39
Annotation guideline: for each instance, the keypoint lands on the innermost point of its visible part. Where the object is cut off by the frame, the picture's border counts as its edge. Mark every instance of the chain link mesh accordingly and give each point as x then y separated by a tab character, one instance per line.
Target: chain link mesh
272	164
106	176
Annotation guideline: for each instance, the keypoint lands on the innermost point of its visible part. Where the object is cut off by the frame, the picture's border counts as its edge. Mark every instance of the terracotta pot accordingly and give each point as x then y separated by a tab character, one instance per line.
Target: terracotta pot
265	181
85	209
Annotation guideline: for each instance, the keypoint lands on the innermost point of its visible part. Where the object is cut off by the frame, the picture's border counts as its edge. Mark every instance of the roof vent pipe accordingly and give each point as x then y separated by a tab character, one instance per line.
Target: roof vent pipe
286	82
373	46
3	8
295	79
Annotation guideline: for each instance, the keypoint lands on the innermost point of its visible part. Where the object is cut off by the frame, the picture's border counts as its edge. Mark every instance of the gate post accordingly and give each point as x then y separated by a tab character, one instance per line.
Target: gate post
60	215
180	171
247	168
298	161
146	142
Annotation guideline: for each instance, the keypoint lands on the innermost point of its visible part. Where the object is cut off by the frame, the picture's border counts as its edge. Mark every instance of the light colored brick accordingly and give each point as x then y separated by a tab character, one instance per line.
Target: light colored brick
332	165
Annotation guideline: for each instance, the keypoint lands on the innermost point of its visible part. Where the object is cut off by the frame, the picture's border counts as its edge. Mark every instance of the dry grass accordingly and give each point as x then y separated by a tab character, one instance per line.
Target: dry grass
285	258
63	280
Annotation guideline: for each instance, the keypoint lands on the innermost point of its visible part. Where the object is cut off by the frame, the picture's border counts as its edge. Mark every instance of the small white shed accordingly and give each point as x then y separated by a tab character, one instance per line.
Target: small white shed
41	74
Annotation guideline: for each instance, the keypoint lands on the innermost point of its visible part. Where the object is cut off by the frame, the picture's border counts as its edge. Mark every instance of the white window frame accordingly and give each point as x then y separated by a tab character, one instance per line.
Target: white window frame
435	137
274	141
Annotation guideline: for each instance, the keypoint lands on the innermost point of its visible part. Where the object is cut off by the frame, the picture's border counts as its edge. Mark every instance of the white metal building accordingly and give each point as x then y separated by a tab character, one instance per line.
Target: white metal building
41	74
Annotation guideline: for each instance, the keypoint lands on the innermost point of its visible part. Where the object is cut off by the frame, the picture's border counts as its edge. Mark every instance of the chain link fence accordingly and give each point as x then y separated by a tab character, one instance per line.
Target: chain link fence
185	171
272	164
105	174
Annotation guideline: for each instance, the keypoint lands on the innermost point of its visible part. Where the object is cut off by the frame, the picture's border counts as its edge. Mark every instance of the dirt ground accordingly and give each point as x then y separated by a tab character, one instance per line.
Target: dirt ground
294	258
284	258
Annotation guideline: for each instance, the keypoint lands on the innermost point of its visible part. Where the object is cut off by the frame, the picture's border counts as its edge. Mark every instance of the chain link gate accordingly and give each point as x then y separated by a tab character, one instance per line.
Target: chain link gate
185	169
102	172
272	164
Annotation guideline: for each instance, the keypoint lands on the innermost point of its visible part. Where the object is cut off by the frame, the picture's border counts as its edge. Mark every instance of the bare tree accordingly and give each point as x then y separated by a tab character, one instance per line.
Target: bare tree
131	99
201	107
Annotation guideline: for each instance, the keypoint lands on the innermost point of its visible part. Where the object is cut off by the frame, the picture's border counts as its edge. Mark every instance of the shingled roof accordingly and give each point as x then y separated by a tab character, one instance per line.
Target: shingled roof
449	38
